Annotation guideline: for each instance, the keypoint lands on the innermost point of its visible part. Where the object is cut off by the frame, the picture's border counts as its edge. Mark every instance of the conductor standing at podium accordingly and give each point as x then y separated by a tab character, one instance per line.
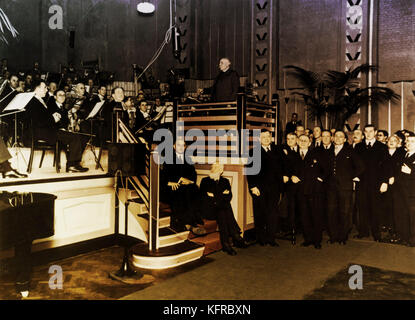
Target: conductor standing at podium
226	83
44	128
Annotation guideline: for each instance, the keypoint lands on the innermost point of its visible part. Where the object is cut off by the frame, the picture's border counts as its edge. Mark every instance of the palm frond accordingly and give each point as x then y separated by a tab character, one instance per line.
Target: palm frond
307	79
363	68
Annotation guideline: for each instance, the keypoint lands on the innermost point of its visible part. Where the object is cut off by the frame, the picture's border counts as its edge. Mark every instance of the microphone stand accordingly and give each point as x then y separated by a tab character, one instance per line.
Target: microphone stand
126	274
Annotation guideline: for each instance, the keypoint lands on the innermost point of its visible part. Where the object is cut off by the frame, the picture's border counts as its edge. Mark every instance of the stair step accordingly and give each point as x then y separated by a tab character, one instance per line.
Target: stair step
210	226
168	237
137	200
166	257
211	242
164	219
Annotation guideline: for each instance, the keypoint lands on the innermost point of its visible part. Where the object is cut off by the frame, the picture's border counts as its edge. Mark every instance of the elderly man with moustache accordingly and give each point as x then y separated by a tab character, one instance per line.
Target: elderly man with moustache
226	83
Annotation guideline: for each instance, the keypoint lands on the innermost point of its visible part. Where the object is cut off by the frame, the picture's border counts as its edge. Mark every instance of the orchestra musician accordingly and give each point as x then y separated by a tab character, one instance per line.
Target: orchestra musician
76	108
43	123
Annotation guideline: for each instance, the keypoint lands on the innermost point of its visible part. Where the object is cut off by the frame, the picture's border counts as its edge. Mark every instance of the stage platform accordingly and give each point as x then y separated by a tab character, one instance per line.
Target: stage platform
85	204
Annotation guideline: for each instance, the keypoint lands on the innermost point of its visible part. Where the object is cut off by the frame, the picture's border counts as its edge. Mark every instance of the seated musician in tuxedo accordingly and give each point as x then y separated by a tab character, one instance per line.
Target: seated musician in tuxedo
111	110
216	196
96	124
265	188
76	106
100	96
179	189
51	92
8	90
143	116
43	122
56	107
308	175
343	167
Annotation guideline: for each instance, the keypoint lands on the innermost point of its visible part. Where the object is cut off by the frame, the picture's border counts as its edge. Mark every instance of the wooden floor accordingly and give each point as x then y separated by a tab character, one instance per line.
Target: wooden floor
86	277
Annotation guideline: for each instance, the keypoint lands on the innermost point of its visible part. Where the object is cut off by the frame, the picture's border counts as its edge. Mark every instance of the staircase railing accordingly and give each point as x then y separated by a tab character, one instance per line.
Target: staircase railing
230	116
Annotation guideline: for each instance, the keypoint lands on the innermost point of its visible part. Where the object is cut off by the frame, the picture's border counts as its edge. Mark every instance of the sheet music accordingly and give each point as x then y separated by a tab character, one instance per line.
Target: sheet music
20	101
95	110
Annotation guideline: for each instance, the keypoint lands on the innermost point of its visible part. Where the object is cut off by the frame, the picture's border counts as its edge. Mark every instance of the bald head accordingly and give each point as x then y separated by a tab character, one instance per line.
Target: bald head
224	64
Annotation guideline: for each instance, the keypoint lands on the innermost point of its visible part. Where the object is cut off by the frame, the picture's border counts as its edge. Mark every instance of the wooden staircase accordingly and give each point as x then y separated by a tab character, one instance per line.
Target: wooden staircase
149	221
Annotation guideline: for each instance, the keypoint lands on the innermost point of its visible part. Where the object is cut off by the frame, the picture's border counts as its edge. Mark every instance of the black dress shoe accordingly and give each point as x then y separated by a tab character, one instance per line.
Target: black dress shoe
317	246
229	250
13	173
330	241
261	243
306	244
239	242
343	242
77	168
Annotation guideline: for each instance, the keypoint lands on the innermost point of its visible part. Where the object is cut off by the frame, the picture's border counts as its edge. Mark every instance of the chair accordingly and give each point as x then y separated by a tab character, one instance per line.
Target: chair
41	145
44	146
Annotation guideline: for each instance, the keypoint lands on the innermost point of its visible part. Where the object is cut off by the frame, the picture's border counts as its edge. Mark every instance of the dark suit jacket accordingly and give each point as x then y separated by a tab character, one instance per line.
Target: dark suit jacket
42	121
53	107
226	86
392	164
404	180
373	175
290	127
173	173
343	168
308	170
271	173
210	205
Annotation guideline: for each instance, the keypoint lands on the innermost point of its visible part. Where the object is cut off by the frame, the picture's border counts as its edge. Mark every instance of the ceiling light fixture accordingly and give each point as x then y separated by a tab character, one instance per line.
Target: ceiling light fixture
145	7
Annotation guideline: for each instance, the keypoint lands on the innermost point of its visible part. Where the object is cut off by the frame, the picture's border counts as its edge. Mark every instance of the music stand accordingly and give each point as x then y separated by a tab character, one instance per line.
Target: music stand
91	118
17	105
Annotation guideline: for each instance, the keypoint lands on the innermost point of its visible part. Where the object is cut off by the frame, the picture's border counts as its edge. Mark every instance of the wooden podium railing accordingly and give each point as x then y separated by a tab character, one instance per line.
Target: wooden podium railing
232	116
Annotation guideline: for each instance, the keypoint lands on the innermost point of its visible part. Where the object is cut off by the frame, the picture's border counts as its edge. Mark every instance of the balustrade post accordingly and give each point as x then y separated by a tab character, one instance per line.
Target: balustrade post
154	182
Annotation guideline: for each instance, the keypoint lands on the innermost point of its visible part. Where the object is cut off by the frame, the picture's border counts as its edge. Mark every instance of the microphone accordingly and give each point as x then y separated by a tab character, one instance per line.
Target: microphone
176	43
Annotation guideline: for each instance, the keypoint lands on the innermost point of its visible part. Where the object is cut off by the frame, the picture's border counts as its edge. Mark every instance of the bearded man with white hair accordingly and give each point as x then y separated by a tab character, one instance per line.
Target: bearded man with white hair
216	205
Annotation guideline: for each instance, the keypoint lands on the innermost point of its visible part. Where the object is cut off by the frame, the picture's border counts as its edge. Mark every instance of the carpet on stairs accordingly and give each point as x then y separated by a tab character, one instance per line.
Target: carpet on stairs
211	240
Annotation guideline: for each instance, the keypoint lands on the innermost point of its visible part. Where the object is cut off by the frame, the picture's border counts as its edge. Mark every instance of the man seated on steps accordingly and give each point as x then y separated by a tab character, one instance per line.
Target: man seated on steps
216	205
178	185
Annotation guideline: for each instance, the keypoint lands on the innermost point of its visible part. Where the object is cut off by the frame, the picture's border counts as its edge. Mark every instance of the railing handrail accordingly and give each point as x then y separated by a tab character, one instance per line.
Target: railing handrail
212	104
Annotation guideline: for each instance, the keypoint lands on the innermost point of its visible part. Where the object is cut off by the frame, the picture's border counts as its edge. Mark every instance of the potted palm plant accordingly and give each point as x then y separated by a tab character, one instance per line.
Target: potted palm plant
338	94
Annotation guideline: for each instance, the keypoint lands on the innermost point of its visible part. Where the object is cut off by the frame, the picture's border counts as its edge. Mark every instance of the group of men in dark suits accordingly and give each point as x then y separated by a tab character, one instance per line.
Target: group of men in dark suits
328	184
